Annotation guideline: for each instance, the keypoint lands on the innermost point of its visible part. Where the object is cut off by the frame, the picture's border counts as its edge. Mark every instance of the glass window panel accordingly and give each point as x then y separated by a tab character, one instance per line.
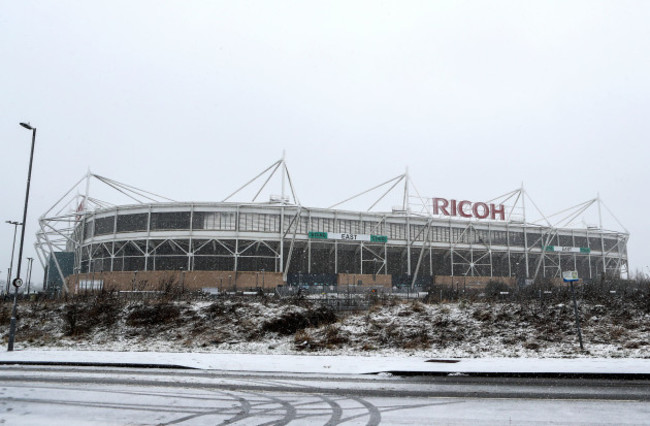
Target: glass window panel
198	220
132	222
104	226
170	263
594	243
581	241
170	221
610	243
134	263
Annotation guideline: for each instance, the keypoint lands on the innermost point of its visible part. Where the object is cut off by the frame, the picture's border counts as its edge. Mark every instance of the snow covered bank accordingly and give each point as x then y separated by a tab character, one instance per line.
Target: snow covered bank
393	328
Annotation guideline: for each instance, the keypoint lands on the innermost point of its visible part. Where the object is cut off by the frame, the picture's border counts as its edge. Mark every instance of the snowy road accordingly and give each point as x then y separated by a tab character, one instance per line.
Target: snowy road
33	395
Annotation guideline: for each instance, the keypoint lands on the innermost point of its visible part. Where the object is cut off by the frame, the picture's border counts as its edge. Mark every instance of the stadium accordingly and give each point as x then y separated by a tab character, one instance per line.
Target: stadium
85	243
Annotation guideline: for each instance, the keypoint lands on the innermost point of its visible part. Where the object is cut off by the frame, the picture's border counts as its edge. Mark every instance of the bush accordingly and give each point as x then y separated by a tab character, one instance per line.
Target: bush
169	288
303	340
334	336
222	308
83	314
5	313
292	322
153	315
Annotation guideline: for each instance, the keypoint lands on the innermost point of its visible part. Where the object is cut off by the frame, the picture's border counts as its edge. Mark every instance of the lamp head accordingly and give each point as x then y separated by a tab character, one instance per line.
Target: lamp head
27	126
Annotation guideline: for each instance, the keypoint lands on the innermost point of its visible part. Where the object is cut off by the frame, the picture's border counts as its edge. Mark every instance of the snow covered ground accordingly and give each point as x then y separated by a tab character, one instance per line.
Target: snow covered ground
336	364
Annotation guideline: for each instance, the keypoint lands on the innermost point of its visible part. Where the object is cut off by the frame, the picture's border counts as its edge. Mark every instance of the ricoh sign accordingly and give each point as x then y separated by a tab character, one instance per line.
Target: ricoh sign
468	209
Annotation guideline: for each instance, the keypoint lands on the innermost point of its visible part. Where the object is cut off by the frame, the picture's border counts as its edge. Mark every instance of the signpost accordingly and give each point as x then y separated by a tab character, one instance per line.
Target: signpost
571	277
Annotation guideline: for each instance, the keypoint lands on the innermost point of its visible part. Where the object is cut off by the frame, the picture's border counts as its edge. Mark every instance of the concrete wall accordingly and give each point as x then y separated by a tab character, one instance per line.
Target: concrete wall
189	280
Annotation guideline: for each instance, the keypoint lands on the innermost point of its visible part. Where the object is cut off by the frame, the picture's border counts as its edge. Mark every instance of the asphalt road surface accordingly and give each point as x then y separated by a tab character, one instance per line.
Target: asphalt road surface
37	395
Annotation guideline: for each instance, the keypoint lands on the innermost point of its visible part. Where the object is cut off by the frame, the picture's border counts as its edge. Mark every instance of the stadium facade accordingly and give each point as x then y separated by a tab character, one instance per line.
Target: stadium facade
440	241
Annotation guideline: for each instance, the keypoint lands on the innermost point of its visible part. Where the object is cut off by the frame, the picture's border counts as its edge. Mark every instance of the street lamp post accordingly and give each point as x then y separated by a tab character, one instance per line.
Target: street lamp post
13	247
17	282
29	272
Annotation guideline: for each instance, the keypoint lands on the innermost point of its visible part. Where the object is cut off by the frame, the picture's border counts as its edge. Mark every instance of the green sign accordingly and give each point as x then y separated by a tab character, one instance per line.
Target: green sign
318	235
378	239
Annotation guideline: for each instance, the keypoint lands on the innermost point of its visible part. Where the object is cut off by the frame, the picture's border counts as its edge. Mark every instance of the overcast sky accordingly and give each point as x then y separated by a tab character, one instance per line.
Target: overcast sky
191	99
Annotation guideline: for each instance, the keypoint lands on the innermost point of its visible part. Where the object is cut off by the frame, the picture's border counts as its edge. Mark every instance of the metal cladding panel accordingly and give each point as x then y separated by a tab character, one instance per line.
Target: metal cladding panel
66	262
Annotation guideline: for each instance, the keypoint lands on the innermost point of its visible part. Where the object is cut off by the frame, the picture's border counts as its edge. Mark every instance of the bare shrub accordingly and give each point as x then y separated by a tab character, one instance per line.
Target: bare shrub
70	315
635	344
532	345
416	339
222	308
304	341
5	313
152	315
334	336
291	322
83	314
416	306
617	333
482	314
169	288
